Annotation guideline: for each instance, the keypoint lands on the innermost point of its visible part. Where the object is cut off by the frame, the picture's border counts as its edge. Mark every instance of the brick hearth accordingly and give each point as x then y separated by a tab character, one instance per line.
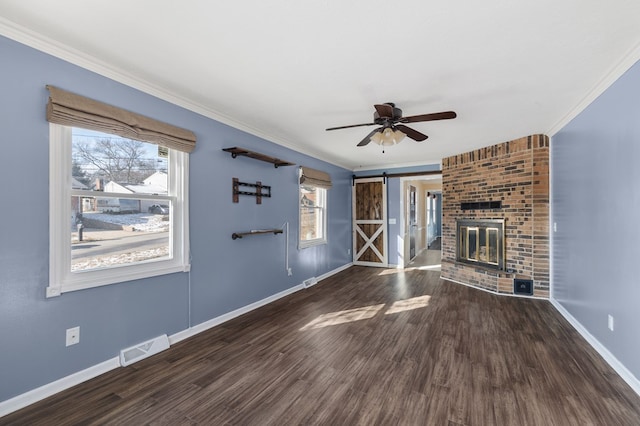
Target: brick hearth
517	174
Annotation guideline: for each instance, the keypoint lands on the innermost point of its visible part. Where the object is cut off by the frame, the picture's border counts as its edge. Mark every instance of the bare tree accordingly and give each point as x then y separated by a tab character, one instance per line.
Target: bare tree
118	160
78	172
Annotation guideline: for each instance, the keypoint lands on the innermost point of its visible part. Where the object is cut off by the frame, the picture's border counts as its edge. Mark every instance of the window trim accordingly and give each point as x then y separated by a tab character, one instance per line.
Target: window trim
302	244
61	279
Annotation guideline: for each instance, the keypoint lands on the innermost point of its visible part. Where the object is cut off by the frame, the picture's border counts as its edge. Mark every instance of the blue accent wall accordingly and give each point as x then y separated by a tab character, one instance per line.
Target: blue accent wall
595	205
225	274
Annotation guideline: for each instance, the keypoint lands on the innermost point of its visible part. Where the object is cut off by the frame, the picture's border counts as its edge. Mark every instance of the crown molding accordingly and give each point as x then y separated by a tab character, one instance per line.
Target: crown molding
627	61
389	166
54	48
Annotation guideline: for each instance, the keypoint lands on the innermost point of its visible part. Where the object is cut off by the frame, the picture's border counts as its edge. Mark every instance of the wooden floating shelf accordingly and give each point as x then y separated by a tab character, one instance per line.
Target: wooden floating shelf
235	151
237	235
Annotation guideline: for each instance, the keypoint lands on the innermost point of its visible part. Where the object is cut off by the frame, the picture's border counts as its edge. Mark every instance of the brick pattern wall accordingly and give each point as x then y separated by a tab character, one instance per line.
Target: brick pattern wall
517	174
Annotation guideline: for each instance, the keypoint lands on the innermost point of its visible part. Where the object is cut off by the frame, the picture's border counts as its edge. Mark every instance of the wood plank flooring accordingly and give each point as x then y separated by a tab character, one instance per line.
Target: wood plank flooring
367	346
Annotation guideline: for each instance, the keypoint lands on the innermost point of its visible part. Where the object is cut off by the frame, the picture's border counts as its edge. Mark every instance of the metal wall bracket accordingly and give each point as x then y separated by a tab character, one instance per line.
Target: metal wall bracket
258	193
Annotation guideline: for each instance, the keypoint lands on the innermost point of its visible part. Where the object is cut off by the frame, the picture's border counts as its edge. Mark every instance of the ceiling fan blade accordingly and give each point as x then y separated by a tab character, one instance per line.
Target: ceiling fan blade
367	138
413	134
384	110
446	115
351	125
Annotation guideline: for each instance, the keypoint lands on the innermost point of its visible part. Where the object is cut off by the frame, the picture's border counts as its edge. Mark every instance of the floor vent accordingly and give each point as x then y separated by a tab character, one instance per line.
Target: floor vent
522	286
144	350
309	282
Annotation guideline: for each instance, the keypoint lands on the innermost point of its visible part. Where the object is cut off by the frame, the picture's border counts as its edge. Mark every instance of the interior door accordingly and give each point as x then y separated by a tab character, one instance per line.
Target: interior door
413	225
370	222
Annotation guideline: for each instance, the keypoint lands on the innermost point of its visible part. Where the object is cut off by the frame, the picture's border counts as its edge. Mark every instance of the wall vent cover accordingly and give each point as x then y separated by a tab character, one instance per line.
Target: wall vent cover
481	205
309	282
143	350
522	286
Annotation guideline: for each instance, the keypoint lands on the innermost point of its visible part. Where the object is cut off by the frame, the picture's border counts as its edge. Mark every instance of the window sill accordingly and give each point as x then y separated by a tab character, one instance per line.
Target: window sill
311	243
117	276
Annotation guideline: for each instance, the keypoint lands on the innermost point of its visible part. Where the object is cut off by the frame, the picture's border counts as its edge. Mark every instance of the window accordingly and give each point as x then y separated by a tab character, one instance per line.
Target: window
313	223
118	209
312	198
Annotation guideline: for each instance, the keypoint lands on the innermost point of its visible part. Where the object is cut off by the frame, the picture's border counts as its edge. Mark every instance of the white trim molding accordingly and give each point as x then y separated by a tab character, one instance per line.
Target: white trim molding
628	60
190	332
204	326
45	391
623	371
47	45
486	290
20	401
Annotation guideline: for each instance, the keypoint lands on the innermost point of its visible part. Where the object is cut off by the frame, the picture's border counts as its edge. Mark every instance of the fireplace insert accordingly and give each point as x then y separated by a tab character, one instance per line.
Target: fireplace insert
481	242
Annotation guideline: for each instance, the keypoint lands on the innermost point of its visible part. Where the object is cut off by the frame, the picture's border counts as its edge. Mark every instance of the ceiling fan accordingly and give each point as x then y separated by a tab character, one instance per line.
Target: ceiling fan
392	128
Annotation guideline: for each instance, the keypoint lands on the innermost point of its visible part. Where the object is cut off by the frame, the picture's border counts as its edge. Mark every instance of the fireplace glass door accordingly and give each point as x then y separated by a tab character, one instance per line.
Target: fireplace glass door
481	243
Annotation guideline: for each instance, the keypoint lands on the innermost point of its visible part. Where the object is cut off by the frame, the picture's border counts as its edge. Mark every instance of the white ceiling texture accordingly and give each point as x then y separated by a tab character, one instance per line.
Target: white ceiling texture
285	70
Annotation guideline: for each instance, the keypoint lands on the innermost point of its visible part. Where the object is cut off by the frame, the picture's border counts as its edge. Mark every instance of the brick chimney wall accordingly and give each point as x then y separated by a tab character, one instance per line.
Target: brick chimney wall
517	174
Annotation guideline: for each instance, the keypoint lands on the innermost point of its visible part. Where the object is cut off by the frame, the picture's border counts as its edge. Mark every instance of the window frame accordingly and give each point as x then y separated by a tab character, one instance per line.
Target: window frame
61	279
302	244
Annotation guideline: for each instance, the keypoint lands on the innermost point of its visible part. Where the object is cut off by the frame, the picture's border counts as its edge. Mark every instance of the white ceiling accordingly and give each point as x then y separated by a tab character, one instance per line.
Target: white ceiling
287	69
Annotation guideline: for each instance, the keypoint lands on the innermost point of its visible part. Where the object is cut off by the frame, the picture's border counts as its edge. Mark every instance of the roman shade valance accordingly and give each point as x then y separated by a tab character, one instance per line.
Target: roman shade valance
309	176
69	109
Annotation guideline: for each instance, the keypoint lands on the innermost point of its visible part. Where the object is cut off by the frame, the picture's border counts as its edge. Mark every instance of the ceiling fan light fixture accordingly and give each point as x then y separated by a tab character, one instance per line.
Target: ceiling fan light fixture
398	135
387	136
377	138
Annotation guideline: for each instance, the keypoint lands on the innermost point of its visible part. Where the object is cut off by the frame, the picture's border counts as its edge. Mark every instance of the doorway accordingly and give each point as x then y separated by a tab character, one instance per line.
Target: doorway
413	224
369	222
422	206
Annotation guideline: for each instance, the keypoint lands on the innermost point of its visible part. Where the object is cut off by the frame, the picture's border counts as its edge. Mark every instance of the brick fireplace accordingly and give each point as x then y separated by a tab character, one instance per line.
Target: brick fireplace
506	183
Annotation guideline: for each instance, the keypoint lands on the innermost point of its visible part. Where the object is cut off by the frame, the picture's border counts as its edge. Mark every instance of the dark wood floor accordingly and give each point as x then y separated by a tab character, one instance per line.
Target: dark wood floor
367	346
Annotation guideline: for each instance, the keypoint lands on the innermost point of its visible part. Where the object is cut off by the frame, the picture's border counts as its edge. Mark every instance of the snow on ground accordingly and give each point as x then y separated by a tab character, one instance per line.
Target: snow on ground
142	222
106	261
145	222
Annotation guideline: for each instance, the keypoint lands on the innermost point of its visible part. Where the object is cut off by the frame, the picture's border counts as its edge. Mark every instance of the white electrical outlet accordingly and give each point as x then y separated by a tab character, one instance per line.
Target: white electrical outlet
73	336
348	251
289	272
555	227
610	323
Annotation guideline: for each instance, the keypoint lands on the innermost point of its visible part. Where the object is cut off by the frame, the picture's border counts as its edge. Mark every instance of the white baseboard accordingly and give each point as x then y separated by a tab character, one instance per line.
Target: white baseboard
335	271
522	296
185	334
197	329
626	375
45	391
14	404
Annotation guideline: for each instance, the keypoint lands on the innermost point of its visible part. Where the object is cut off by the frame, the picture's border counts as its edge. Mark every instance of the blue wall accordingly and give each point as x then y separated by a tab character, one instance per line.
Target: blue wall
596	205
225	274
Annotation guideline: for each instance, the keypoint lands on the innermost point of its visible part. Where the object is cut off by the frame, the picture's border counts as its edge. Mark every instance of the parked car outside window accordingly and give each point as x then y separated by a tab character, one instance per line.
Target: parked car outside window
159	209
